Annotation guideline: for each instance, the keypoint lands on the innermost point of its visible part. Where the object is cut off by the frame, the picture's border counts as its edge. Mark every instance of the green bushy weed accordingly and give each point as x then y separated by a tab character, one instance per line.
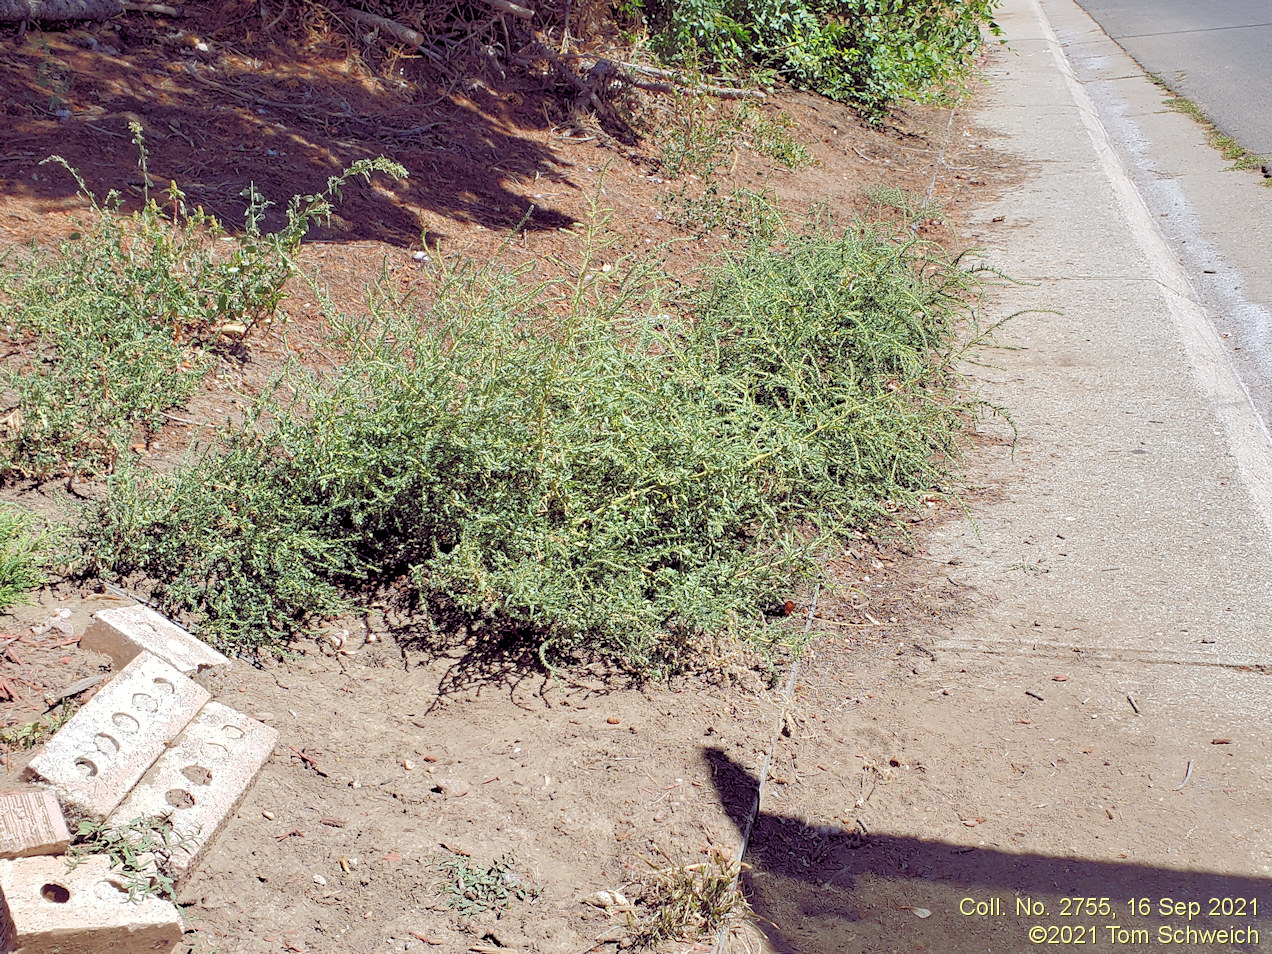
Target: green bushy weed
593	465
22	545
118	325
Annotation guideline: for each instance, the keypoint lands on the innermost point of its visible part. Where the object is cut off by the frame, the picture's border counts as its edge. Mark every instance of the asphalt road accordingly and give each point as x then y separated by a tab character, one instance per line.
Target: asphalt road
1218	53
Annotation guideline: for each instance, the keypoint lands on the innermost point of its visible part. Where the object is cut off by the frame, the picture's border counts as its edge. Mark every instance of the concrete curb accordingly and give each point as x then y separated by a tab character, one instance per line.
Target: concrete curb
124	632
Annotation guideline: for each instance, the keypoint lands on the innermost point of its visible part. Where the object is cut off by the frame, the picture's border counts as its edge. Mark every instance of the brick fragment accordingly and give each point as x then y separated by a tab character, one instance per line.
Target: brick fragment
31	823
45	909
123	632
95	759
200	780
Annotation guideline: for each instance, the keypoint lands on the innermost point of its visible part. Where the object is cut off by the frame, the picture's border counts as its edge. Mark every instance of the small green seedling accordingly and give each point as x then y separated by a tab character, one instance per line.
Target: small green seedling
139	848
473	889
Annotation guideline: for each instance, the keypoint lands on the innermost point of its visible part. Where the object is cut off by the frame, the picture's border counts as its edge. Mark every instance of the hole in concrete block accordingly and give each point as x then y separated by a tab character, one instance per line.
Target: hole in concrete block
179	798
57	893
106	744
233	731
213	751
85	768
144	703
197	774
166	688
177	648
125	723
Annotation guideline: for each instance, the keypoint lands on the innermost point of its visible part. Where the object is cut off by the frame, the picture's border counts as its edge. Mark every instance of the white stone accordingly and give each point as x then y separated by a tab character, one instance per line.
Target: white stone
200	780
31	823
123	632
45	909
95	759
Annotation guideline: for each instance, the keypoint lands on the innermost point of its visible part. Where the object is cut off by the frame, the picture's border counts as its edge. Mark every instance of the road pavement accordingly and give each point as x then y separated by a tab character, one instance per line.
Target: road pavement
1217	53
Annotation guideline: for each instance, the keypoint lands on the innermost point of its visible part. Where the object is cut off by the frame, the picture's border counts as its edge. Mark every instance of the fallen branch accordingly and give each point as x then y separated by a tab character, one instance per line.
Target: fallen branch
394	29
45	11
587	91
723	92
400	32
679	79
159	9
516	9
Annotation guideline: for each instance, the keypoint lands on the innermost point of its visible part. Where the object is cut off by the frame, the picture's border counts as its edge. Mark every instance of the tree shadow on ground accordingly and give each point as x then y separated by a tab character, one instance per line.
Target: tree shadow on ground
280	115
818	889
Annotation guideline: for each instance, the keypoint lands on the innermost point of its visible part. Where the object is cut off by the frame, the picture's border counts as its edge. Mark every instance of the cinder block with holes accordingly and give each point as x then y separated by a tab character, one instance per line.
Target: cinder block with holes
94	760
123	632
201	780
31	823
46	909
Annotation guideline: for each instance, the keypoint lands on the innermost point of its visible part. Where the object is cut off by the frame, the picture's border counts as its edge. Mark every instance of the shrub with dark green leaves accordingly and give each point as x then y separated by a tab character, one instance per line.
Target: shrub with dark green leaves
867	52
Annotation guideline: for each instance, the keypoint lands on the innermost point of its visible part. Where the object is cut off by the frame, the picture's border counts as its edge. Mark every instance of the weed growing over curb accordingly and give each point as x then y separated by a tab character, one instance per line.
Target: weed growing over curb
139	848
1242	159
582	465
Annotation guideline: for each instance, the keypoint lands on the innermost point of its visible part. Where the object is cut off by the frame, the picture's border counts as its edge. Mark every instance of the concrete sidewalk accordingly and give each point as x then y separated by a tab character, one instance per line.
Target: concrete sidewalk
1097	725
1142	482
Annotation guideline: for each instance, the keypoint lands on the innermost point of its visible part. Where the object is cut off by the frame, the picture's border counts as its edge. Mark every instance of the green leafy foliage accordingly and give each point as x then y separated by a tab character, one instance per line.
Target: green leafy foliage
31	734
474	889
867	52
580	464
118	325
697	135
770	136
740	213
139	849
21	559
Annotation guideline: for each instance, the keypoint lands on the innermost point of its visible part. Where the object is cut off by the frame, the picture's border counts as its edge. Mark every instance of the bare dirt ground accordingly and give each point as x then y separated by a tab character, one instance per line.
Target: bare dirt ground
401	751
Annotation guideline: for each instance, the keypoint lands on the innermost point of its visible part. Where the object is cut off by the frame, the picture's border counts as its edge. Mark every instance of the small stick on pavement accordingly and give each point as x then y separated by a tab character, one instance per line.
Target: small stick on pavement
1133	705
1187	776
1034	695
74	689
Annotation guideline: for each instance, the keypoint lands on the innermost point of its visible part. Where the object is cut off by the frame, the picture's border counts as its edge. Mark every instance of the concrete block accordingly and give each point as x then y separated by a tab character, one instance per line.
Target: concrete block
123	632
200	780
94	760
46	909
31	823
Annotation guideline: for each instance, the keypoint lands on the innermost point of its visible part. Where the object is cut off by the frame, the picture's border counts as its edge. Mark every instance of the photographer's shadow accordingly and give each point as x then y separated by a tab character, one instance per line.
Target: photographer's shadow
827	890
